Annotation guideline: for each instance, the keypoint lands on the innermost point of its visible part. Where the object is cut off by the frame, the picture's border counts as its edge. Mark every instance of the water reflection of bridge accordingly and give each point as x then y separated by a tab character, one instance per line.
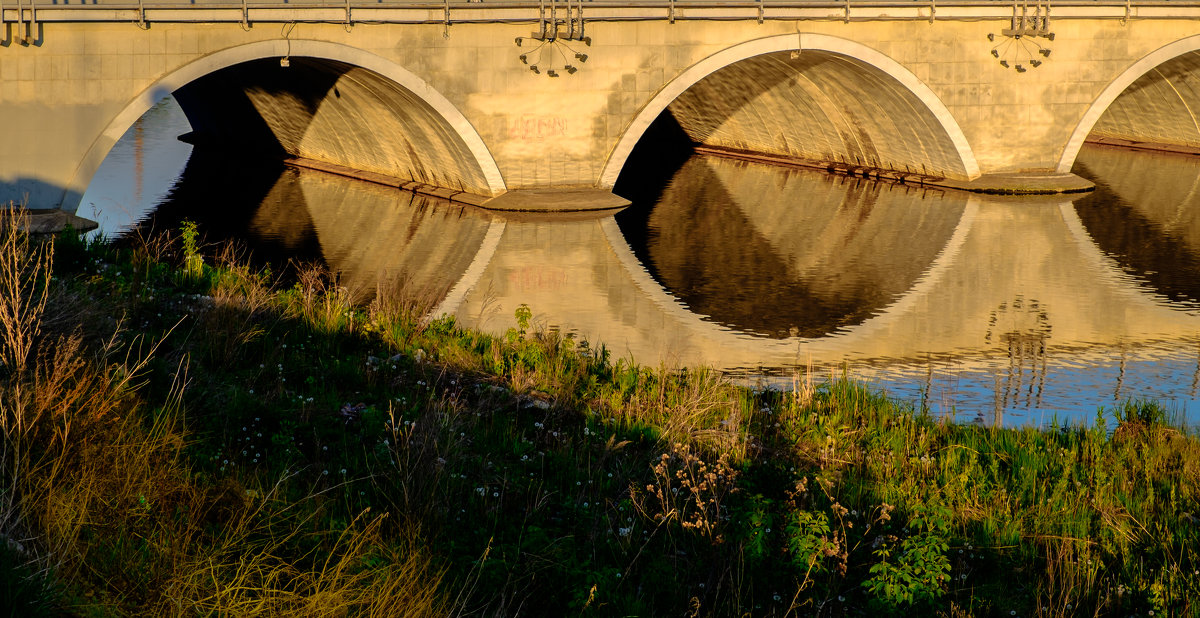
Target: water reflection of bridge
974	276
856	271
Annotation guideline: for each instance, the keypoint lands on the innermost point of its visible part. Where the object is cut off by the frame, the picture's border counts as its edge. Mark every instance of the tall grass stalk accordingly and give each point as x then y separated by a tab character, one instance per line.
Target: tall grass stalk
25	265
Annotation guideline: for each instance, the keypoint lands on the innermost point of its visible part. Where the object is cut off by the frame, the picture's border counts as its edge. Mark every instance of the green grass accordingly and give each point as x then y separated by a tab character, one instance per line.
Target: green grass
217	441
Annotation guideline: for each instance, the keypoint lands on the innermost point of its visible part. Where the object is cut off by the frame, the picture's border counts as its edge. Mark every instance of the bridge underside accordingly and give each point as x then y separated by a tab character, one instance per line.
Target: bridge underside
820	107
329	112
1160	109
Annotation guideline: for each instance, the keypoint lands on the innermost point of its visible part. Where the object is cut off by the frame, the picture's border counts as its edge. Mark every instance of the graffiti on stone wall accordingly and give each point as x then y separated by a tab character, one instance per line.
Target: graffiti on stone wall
537	128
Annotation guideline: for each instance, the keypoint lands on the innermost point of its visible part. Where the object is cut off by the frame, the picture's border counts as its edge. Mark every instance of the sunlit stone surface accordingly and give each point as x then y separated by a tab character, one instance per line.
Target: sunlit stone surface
819	106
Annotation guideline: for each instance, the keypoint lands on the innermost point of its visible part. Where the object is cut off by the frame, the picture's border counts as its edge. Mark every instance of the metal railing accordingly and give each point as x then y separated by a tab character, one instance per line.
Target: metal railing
27	14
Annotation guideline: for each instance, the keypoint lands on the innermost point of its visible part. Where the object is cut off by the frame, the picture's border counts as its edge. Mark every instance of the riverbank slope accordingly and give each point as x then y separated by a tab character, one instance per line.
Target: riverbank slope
187	434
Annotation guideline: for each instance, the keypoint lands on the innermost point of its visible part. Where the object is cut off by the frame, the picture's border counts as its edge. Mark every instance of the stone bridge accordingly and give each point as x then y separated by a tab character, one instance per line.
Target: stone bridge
505	103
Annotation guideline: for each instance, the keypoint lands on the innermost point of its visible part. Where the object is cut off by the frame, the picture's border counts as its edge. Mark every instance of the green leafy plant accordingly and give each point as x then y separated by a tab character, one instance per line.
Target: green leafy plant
914	573
193	262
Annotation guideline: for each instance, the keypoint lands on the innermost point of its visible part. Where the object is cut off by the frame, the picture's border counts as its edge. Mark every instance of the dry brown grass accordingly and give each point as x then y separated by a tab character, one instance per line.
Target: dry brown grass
25	266
96	491
245	575
322	302
699	407
241	302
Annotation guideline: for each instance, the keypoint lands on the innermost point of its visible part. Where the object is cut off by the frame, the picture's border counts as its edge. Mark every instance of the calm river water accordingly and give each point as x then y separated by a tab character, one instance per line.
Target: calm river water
1007	310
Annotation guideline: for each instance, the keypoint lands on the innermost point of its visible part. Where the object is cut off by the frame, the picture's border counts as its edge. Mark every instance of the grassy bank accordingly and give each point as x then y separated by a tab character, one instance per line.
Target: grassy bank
186	435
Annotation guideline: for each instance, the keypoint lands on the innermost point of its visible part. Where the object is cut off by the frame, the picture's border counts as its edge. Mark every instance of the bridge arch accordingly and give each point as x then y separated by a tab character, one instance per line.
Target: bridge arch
1134	87
440	121
905	126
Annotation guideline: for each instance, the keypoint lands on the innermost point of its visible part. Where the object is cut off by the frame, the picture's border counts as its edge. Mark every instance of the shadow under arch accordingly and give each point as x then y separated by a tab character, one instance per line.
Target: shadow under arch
1116	88
911	98
455	123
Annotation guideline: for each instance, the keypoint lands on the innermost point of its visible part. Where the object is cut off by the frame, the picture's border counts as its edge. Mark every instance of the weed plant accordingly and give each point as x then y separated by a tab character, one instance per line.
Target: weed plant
200	439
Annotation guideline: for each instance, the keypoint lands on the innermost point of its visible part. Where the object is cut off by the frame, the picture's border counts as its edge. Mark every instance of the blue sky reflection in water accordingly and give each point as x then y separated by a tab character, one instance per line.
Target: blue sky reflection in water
996	310
139	170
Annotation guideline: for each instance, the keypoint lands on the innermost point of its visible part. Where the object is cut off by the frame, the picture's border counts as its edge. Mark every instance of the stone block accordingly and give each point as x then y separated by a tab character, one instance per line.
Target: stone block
8	69
26	68
27	91
119	66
